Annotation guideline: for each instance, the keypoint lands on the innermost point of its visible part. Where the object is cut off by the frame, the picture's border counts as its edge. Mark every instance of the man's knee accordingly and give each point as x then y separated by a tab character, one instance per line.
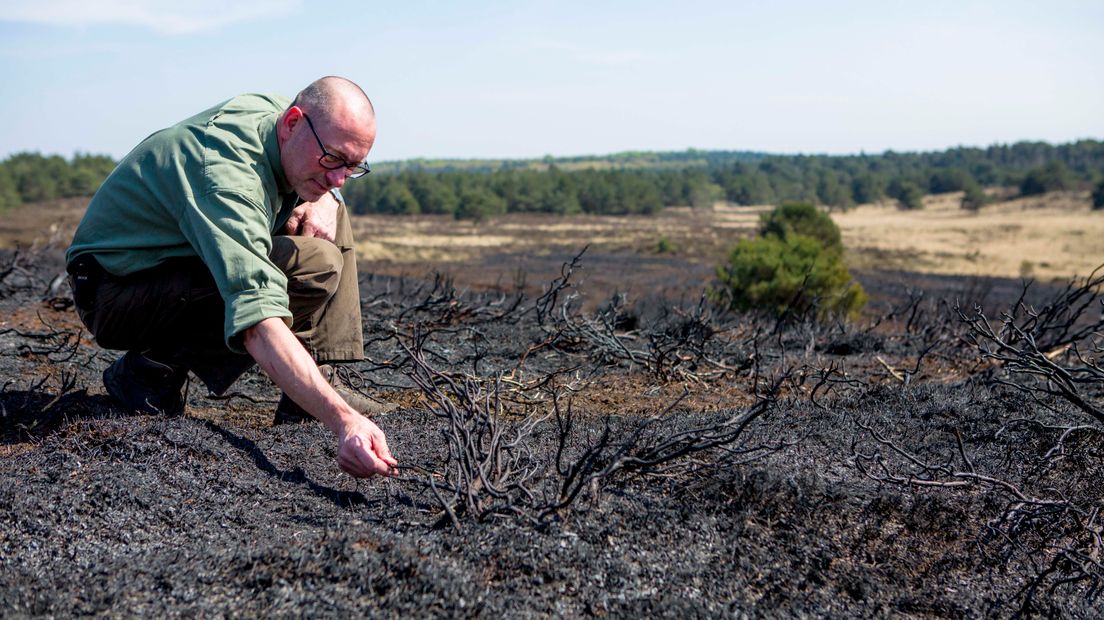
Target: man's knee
312	266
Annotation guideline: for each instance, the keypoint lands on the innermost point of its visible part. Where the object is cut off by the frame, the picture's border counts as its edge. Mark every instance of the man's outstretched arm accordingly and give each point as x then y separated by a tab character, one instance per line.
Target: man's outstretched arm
362	448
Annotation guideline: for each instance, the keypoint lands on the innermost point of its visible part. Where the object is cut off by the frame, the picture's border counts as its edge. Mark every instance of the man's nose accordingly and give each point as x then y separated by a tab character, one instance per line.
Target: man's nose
336	178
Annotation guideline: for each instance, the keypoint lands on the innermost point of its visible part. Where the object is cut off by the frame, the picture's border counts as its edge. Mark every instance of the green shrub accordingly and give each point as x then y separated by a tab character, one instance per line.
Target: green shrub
796	264
800	218
796	273
664	246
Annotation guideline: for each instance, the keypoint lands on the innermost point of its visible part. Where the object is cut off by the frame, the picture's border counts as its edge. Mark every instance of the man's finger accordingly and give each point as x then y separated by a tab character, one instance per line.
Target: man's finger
369	464
317	231
379	446
362	460
292	225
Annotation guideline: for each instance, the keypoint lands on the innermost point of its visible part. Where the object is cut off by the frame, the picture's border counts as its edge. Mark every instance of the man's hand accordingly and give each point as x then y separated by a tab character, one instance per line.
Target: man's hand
362	450
361	446
315	219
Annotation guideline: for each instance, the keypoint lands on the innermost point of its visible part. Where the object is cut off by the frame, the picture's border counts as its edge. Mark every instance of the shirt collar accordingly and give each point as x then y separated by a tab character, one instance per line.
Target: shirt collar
272	149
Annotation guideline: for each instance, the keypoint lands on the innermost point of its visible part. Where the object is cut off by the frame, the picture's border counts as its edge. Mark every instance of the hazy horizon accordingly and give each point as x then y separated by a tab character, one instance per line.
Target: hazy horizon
495	80
642	151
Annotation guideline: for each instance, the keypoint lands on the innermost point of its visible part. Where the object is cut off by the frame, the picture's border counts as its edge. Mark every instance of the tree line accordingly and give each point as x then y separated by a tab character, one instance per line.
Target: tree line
32	177
645	182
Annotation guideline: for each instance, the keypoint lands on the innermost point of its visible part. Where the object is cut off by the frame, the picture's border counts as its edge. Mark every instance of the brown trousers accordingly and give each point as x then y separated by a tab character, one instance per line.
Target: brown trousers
174	313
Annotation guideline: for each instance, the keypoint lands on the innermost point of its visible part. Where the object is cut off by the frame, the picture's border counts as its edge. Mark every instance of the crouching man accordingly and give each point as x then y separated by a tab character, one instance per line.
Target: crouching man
221	242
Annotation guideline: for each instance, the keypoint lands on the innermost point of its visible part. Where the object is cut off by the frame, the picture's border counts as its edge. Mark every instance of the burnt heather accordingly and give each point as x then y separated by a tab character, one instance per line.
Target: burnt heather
643	458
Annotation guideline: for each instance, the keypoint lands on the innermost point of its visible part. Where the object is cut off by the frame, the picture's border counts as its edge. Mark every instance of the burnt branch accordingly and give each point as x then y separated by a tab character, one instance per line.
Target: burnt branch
546	303
1066	373
1058	533
489	466
651	447
1049	352
496	465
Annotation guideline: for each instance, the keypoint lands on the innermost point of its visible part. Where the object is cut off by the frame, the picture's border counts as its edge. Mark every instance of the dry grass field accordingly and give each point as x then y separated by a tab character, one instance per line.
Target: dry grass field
1048	238
1052	237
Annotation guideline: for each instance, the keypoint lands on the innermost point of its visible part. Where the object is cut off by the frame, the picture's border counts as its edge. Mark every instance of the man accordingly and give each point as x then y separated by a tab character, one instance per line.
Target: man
179	260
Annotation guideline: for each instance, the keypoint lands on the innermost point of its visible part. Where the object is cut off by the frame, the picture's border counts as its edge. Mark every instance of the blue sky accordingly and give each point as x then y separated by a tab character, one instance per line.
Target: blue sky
527	79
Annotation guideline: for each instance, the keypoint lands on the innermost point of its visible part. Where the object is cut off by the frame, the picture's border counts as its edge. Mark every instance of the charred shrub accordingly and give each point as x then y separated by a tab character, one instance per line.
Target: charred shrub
1050	350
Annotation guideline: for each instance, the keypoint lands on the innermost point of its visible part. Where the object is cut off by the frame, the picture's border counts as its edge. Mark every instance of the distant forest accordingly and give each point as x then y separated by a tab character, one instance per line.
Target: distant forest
31	177
631	183
645	182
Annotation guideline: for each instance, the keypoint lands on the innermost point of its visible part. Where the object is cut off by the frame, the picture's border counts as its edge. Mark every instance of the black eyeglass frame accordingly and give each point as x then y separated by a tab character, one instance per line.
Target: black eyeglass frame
355	170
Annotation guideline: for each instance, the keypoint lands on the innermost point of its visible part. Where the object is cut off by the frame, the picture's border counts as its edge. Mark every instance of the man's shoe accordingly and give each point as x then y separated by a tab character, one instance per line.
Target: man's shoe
289	412
146	385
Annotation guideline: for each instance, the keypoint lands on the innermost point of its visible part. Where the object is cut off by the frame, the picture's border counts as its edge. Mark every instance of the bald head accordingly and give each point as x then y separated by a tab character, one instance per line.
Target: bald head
334	96
333	118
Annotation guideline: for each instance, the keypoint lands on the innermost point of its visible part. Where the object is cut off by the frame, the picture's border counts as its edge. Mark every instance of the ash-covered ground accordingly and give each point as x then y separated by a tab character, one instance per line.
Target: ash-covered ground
635	460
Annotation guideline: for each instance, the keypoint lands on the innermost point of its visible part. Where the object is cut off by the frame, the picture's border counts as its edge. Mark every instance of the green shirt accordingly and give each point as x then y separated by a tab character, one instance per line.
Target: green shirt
211	186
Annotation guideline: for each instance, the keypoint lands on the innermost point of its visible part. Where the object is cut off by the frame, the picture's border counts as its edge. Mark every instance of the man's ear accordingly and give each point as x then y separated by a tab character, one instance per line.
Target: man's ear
293	116
288	120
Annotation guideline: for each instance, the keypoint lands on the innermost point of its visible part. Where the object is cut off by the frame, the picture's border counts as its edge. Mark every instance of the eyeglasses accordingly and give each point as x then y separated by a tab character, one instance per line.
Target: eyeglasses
329	161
